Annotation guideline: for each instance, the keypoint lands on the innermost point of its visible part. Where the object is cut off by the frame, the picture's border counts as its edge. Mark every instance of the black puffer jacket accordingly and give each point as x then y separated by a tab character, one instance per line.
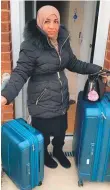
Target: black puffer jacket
48	86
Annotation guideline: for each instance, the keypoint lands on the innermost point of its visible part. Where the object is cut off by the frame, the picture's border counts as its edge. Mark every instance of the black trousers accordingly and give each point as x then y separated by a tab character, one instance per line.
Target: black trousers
56	127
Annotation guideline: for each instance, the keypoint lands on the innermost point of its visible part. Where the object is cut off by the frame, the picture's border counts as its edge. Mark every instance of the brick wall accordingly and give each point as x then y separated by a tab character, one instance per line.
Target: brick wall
6	53
107	55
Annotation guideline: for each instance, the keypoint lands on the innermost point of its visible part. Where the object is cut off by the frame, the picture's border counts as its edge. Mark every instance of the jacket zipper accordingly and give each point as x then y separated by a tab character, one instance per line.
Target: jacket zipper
60	84
41	95
60	49
58	73
64	43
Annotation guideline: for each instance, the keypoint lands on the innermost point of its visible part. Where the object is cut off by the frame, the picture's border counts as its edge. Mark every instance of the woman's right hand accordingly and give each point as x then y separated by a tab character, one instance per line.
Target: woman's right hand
3	101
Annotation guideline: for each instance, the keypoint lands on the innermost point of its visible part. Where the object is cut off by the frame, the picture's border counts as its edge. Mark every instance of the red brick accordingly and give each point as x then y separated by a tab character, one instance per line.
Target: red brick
6	66
5	5
6	47
108	55
8	108
105	54
6	37
5	57
5	71
109	36
5	27
107	64
108	45
5	16
7	116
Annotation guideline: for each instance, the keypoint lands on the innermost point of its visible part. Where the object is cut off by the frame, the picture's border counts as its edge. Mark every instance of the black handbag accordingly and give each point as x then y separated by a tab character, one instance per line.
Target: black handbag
94	88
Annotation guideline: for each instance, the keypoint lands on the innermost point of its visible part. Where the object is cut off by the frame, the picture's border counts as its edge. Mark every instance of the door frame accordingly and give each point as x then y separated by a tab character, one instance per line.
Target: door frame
17	24
102	33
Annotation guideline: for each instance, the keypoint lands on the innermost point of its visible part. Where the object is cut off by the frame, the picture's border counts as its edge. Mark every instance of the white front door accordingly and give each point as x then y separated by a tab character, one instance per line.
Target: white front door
86	38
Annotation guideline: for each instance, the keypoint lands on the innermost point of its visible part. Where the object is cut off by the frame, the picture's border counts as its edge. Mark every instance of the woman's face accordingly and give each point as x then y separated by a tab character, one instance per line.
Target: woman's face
51	26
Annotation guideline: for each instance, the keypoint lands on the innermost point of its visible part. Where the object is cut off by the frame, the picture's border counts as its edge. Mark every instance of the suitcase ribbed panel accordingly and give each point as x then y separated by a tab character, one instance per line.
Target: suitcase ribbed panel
40	152
92	154
104	168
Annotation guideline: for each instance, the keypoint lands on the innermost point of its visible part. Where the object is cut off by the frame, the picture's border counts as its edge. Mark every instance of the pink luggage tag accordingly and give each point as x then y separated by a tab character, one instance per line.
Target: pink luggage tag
93	96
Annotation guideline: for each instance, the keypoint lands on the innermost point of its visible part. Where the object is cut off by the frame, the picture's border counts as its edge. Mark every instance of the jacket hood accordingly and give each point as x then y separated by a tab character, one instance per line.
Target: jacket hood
31	30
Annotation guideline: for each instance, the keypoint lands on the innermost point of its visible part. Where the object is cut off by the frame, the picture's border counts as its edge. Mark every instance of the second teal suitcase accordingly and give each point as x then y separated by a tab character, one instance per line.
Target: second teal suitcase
92	153
22	151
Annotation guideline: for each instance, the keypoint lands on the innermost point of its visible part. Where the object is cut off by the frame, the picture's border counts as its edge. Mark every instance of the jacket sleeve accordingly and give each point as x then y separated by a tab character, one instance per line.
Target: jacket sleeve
19	76
78	66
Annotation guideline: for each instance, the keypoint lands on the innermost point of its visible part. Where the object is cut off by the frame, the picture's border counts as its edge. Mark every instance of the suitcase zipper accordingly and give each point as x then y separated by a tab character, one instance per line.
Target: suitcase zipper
107	154
98	148
32	158
33	147
103	115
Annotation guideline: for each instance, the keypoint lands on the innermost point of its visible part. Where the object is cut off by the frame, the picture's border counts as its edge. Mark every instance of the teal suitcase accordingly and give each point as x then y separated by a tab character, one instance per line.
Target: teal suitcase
22	151
92	152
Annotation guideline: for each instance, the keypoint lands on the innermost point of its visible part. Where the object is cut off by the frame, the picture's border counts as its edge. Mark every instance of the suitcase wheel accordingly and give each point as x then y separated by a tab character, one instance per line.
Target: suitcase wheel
80	183
40	183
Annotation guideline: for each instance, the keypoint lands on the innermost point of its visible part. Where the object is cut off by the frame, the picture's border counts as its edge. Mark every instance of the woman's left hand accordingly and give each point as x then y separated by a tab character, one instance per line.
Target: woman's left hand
105	78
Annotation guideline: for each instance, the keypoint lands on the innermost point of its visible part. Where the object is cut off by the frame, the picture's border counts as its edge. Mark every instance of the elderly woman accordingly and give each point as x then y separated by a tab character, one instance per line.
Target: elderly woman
44	54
